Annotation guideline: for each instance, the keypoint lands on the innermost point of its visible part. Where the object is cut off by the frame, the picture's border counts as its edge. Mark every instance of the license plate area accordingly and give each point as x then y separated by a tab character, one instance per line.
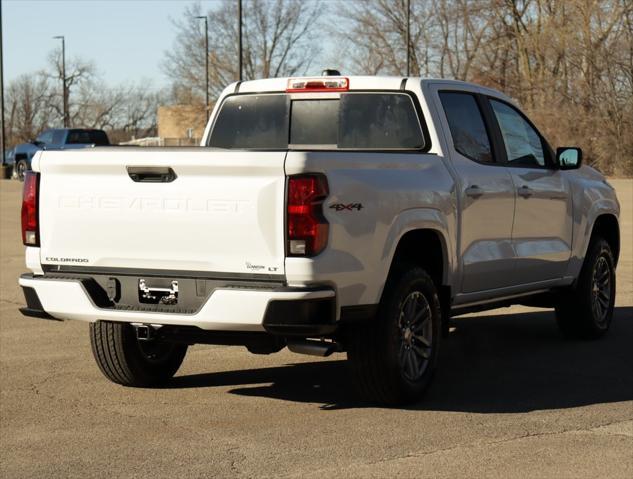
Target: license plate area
158	291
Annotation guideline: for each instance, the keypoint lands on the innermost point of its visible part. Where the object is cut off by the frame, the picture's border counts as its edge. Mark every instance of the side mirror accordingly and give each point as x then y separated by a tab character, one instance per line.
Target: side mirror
568	157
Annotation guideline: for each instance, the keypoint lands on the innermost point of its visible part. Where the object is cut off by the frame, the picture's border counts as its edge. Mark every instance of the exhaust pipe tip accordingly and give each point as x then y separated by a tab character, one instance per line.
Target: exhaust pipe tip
313	348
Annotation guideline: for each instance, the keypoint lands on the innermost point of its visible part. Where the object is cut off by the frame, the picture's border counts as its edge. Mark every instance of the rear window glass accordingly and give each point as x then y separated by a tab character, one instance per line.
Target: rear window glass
258	122
358	121
87	137
375	121
314	122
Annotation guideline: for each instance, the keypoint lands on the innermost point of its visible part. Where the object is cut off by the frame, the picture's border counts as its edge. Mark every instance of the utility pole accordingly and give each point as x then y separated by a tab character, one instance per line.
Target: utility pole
206	62
408	37
239	29
64	87
2	127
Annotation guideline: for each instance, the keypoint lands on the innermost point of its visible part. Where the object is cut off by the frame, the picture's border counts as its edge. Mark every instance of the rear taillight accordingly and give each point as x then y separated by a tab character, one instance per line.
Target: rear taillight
307	227
30	218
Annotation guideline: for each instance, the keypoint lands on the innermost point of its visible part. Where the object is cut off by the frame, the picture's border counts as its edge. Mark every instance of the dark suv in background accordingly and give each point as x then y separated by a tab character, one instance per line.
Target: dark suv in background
54	139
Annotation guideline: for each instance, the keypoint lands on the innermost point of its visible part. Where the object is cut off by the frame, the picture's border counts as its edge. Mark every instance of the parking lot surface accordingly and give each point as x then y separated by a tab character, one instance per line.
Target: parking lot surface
511	399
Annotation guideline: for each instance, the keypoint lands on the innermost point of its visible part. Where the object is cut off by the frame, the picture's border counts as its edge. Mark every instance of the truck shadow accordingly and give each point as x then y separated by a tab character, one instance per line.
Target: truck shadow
490	364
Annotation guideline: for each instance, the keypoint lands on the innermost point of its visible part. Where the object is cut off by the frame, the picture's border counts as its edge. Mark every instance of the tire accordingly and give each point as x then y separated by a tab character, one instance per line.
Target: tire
20	168
586	311
390	363
125	360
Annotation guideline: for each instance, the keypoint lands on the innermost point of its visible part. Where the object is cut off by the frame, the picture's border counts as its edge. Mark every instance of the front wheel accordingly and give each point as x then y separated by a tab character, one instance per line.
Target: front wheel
586	310
125	360
393	358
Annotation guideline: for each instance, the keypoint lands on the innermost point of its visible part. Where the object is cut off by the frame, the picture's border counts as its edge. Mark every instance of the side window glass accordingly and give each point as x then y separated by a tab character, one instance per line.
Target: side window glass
58	137
46	137
467	126
523	144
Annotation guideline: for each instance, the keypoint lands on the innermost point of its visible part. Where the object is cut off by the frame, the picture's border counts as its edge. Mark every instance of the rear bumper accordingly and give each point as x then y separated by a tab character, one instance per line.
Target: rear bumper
280	311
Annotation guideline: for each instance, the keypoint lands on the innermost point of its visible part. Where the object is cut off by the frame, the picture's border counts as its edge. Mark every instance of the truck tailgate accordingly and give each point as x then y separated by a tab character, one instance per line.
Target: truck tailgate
223	212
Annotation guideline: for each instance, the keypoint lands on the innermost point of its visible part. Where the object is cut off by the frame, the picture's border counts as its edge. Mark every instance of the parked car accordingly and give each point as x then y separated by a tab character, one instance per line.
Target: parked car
55	139
7	162
8	156
325	214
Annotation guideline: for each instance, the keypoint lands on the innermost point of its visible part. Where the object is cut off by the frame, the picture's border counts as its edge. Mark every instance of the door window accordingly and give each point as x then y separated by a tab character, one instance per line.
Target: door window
58	137
46	137
87	137
523	144
467	126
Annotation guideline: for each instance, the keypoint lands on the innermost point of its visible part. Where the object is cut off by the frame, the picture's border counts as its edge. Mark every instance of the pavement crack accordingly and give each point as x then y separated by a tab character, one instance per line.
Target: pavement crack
476	444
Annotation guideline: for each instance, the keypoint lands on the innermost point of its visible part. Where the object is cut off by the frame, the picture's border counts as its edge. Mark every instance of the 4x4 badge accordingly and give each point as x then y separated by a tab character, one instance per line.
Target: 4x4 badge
349	206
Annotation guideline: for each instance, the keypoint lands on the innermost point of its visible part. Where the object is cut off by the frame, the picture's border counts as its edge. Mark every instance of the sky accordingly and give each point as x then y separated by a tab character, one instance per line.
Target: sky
126	39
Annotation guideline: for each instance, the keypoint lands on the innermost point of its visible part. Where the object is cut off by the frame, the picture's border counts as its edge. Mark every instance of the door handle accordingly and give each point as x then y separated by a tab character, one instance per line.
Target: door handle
525	191
558	196
151	174
474	191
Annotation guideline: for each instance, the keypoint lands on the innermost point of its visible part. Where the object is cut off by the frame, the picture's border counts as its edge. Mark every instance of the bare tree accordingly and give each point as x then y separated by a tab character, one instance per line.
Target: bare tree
465	27
277	41
569	63
27	108
79	74
34	103
373	37
129	108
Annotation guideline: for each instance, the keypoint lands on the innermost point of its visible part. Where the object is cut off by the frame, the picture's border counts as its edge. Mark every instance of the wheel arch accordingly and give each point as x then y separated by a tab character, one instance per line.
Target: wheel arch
429	227
606	226
413	248
429	249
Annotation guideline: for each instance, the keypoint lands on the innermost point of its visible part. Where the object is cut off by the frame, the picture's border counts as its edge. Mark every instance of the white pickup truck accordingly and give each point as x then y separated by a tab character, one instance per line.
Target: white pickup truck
324	214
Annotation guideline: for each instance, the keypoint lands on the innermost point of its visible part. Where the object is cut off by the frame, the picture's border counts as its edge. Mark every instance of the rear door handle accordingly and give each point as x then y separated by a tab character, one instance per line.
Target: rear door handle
151	174
474	191
525	191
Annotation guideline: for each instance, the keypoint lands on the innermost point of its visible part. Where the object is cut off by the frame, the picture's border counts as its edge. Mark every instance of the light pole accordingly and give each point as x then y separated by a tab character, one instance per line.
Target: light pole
206	62
64	89
408	37
2	128
239	35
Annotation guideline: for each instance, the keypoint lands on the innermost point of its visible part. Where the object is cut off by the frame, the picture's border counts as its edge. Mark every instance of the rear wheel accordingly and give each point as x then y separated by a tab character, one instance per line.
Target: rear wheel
125	360
586	310
20	169
393	358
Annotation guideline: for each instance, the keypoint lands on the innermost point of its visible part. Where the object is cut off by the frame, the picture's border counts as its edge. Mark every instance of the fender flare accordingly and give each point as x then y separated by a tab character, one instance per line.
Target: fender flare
421	219
600	207
604	206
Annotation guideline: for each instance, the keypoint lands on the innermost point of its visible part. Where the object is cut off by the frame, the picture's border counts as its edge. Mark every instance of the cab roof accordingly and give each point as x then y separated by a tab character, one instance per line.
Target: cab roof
356	82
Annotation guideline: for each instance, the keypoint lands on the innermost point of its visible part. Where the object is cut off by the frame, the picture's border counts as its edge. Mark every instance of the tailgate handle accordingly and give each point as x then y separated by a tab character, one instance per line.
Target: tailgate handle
151	174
